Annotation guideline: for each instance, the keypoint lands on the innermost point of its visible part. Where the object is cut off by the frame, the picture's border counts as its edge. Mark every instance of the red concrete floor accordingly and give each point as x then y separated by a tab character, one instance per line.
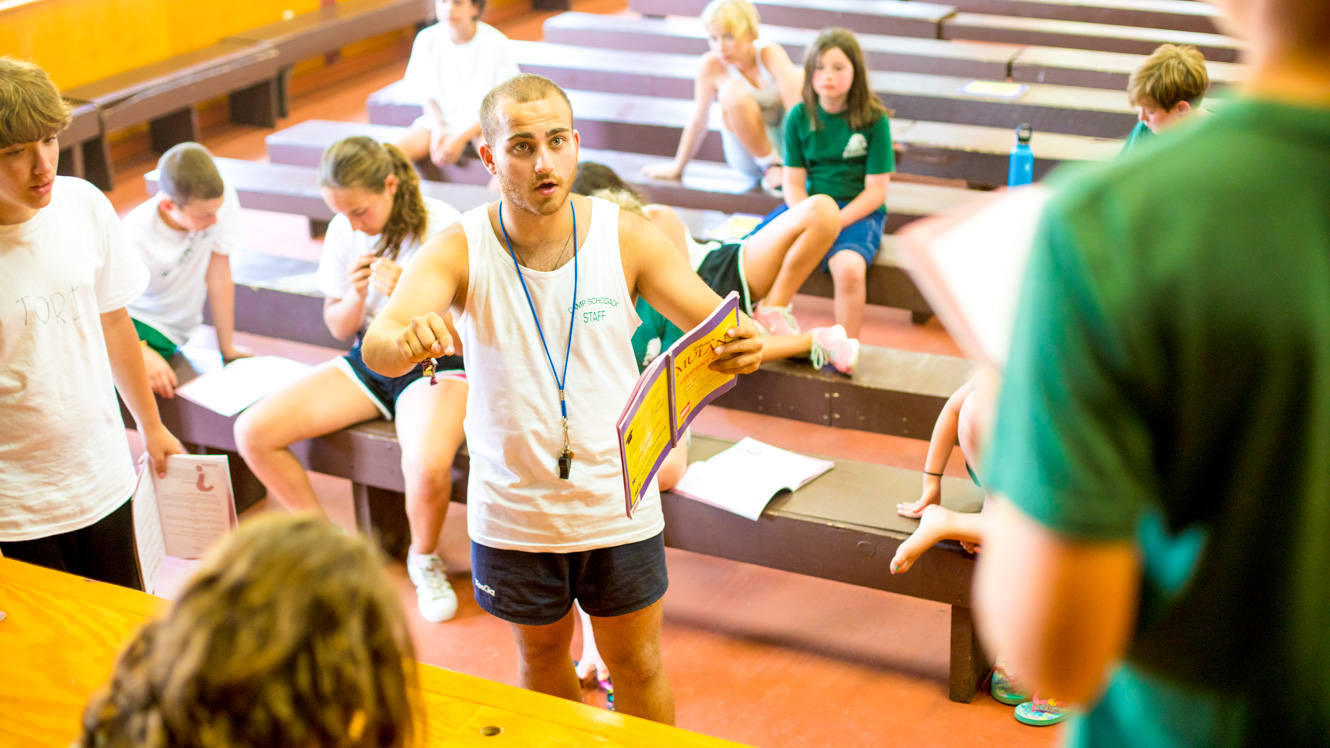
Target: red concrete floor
758	656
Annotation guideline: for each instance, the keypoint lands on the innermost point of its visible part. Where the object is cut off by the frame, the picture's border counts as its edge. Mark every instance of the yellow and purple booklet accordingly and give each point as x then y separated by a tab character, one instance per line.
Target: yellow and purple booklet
668	395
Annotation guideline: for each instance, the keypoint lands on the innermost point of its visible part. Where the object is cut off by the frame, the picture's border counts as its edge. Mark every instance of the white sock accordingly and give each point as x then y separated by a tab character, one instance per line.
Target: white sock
769	160
421	559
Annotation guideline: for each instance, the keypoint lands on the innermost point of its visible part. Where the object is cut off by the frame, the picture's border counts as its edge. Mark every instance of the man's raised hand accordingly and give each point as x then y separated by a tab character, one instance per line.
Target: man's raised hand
426	337
742	354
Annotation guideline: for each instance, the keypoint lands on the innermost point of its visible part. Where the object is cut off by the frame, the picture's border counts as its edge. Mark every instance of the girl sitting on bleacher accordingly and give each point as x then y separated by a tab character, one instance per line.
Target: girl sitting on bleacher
288	634
756	84
838	143
382	220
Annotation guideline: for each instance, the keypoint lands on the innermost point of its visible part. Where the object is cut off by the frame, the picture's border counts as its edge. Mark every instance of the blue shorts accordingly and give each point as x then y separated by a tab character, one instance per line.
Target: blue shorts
384	391
863	237
538	589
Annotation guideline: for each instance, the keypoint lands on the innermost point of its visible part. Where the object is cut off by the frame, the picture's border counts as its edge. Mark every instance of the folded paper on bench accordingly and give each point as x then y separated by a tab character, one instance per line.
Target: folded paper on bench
668	396
182	515
970	264
241	383
746	477
995	89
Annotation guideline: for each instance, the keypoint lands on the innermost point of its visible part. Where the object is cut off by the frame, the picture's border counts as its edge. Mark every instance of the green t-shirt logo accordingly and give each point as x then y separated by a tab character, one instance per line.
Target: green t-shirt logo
855	147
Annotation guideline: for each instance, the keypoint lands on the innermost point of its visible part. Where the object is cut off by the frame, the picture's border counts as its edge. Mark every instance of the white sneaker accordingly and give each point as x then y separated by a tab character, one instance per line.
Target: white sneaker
434	595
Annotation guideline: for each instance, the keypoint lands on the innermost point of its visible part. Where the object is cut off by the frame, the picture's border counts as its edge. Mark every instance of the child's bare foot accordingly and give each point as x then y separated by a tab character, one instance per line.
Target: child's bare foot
934	525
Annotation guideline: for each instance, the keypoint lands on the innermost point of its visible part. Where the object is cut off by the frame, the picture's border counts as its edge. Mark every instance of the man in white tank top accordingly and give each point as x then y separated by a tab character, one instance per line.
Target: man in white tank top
542	288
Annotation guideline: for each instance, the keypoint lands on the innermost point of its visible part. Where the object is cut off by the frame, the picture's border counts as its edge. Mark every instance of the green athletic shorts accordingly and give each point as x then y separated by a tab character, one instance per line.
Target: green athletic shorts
155	339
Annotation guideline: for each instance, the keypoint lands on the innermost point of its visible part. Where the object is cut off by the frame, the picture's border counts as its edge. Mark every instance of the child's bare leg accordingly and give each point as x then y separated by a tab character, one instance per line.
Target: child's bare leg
589	665
848	275
743	117
937	524
780	257
414	143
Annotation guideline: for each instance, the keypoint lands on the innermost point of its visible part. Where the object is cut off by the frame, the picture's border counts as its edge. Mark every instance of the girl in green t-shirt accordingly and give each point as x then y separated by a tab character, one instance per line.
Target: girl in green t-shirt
838	143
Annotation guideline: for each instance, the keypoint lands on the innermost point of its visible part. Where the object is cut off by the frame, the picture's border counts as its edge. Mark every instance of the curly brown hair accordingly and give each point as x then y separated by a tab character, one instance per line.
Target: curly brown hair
289	634
364	162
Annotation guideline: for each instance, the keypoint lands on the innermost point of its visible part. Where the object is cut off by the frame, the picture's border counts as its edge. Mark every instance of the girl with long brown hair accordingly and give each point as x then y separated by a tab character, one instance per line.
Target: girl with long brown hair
382	220
838	143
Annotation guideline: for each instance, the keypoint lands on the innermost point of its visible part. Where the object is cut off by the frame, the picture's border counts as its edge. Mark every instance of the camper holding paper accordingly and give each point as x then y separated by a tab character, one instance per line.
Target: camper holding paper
67	345
185	234
542	284
382	221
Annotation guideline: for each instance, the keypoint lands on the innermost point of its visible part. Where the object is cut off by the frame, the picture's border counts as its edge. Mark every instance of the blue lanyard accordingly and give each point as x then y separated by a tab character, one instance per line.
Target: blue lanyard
559	381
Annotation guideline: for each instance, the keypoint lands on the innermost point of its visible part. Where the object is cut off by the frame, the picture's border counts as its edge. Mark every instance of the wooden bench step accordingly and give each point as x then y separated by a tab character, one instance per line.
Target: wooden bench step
639	76
263	284
974	153
84	152
716	186
1177	15
894	17
989	61
1077	35
166	94
842	526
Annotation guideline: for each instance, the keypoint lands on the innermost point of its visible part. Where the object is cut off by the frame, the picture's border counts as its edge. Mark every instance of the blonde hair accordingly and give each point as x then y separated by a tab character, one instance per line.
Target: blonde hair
625	199
521	88
31	107
862	107
187	172
739	17
289	634
1171	75
364	162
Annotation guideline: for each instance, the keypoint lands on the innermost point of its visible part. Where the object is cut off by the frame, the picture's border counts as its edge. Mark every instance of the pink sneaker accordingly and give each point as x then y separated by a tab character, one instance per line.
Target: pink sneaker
776	320
831	346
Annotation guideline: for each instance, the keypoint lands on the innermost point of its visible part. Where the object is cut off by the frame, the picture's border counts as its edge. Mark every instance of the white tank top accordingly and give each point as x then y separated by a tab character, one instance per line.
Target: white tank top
515	498
767	92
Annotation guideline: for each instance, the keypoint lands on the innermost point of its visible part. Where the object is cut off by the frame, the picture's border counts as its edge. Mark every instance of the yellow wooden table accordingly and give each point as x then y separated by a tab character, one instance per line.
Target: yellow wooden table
61	634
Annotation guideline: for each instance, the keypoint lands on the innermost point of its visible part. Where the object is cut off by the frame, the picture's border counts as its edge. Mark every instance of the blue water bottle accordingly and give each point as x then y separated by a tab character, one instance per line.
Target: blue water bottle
1022	158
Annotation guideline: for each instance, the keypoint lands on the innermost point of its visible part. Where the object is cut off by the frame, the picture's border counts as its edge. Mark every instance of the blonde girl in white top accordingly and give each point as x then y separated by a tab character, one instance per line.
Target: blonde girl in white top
755	83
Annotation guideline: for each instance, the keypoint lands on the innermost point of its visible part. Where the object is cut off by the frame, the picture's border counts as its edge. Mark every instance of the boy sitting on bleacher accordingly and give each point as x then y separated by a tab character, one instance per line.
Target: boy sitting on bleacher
1167	87
454	63
185	235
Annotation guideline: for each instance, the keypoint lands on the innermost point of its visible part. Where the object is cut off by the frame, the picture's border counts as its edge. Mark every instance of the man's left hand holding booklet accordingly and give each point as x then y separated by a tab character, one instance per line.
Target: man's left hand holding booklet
668	395
183	514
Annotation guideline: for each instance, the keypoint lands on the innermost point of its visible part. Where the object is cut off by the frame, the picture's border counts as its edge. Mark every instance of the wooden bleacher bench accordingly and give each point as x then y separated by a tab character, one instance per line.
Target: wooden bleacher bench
894	17
916	96
1179	15
83	150
267	287
329	29
1079	35
166	94
718	189
977	154
989	61
63	634
843	526
1107	70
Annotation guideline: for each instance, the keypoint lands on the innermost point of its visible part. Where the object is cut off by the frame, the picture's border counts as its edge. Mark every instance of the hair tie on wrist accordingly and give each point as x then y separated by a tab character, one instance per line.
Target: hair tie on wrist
935	475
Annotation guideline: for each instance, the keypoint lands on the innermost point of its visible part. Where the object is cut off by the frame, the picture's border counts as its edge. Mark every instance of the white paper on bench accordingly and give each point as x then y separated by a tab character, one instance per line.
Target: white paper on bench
745	477
241	383
970	265
183	514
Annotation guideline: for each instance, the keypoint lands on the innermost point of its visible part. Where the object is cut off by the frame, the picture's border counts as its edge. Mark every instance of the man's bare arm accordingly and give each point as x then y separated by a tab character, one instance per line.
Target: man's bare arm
1059	610
655	270
410	328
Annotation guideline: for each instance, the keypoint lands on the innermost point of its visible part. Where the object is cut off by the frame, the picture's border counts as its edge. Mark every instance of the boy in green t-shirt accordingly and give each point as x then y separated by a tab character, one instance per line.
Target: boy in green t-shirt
1160	459
1167	87
838	143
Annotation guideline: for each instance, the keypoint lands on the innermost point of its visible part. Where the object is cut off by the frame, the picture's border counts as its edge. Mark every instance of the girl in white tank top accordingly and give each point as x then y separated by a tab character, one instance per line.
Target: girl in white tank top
514	434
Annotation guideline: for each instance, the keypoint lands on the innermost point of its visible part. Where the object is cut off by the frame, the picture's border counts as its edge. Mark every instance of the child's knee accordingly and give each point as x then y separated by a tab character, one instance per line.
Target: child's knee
734	99
822	212
848	269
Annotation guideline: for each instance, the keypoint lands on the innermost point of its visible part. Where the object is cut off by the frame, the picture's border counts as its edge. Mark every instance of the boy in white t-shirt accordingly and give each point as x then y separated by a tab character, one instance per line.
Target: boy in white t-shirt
454	63
184	234
66	345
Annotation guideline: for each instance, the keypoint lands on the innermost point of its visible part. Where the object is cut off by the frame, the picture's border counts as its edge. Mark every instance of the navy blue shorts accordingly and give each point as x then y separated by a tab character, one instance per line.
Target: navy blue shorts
384	391
537	589
863	237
